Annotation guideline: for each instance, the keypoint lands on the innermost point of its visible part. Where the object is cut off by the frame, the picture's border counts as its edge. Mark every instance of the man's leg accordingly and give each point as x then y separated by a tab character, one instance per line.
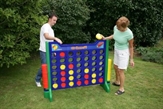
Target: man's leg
39	73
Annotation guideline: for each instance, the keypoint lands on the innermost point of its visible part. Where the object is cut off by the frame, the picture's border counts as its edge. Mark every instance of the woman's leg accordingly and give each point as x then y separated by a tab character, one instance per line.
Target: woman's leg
117	81
121	89
123	57
117	76
122	79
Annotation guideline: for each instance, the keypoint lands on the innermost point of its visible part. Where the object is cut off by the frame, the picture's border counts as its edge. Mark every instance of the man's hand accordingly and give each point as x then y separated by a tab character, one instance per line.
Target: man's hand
58	40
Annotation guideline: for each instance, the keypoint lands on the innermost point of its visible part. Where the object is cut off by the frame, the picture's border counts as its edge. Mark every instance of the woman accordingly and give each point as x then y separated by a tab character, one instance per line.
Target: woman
123	51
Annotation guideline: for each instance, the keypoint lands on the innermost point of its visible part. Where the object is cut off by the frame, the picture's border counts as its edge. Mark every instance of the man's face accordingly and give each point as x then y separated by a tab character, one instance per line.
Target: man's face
53	20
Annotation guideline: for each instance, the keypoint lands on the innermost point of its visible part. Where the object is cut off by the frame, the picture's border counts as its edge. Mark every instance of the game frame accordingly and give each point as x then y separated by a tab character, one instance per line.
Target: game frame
49	75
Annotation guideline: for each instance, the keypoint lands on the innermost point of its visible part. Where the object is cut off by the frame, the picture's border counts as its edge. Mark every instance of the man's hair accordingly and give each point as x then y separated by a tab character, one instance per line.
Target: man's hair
51	14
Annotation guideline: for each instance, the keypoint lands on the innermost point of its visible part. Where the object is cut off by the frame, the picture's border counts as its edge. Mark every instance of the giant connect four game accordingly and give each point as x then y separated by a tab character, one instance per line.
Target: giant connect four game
76	65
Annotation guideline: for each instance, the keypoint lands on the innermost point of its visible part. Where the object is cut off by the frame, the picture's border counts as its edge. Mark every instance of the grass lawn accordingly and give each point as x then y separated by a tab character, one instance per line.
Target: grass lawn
143	86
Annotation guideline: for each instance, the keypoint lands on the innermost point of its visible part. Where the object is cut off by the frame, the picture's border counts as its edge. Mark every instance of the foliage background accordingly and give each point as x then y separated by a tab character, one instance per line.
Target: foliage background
72	17
20	22
79	21
145	17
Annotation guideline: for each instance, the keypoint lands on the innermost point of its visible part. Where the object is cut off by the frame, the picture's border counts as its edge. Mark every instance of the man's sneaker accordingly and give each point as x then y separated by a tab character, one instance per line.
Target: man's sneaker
38	84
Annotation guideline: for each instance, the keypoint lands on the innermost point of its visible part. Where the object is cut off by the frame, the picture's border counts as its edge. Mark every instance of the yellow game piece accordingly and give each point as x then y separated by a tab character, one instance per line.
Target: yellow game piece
62	67
93	81
99	36
71	84
93	75
86	70
71	72
71	78
55	85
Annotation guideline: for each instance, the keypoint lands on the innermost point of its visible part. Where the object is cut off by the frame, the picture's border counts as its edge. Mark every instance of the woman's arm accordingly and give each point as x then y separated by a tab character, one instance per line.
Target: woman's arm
108	38
131	50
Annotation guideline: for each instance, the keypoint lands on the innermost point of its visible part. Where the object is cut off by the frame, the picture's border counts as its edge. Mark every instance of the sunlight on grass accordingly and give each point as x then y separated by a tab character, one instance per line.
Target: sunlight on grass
143	90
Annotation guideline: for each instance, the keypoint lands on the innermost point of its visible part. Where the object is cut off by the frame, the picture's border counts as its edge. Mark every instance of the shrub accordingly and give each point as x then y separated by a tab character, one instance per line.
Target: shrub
151	54
73	15
145	16
20	22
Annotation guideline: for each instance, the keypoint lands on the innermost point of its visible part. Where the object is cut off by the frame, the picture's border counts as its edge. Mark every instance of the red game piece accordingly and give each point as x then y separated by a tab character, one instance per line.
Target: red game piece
62	54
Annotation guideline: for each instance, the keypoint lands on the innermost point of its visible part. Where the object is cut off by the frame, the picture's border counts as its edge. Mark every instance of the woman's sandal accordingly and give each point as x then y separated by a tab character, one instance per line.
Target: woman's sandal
115	84
118	92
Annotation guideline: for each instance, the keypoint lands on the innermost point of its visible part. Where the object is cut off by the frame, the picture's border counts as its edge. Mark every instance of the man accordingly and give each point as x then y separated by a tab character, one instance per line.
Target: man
46	34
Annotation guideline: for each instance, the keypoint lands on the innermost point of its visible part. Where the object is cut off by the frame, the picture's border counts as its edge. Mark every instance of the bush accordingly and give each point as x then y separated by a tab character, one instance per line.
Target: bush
20	22
151	54
72	17
79	21
145	16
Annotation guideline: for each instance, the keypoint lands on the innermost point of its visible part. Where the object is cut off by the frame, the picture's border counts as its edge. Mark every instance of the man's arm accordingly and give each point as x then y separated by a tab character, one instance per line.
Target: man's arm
48	37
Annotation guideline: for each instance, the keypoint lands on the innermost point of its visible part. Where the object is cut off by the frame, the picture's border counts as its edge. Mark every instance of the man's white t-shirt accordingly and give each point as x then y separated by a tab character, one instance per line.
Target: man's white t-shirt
46	28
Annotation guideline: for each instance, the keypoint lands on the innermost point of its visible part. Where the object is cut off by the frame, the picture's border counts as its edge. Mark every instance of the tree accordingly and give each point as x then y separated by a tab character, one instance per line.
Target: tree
147	25
20	23
72	17
78	22
145	16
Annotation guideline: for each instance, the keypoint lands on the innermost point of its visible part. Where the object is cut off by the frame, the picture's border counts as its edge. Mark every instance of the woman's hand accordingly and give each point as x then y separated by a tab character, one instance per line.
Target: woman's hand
132	62
103	38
